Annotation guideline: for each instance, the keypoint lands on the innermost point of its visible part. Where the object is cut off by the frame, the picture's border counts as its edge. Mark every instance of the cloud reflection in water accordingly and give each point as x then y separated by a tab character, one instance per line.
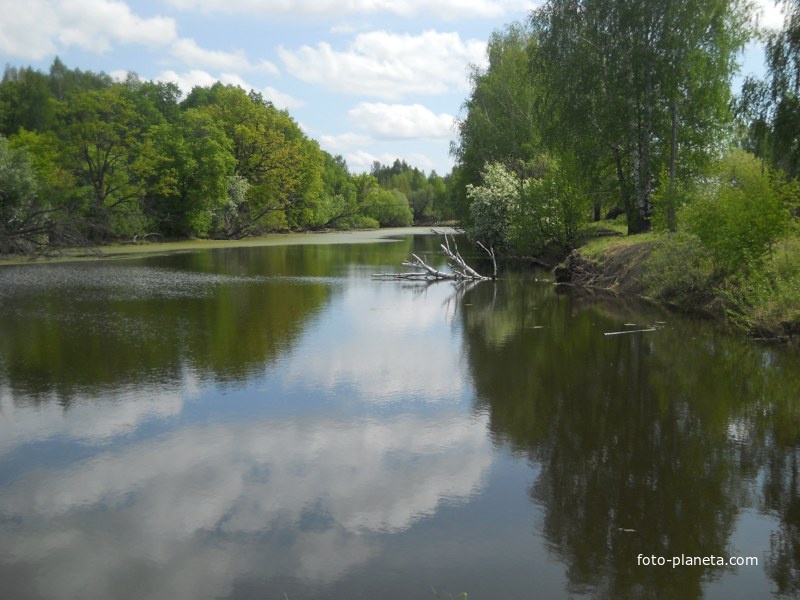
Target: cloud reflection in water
268	498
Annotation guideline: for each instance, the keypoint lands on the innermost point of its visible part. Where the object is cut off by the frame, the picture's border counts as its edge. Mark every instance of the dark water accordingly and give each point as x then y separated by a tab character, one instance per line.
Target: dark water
274	423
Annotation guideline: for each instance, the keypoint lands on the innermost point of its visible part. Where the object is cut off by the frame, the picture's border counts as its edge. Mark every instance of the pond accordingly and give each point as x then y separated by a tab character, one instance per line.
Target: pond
273	422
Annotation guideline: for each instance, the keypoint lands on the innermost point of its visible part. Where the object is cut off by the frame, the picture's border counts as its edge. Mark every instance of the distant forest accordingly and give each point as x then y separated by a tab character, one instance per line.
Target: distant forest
87	160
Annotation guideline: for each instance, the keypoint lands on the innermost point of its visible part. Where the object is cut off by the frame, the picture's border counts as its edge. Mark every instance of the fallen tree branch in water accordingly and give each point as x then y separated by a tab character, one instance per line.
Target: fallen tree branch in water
461	271
631	331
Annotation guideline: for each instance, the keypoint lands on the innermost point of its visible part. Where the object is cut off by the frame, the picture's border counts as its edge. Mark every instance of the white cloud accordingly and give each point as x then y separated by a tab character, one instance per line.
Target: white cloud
446	9
343	28
281	100
199	78
187	51
401	121
388	65
344	141
38	28
119	75
187	81
361	161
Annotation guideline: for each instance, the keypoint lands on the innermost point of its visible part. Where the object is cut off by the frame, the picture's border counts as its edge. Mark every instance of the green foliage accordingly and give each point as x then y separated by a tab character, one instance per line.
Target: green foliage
668	200
492	206
501	122
769	109
338	194
20	208
189	183
527	212
101	134
388	207
123	160
25	102
427	196
738	215
551	209
632	88
679	269
281	165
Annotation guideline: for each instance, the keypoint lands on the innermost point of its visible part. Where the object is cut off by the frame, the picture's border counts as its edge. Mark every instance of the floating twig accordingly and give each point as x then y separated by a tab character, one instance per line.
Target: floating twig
631	331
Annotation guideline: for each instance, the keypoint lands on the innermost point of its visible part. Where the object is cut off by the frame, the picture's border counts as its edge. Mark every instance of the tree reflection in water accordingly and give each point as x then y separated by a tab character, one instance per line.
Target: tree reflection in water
647	443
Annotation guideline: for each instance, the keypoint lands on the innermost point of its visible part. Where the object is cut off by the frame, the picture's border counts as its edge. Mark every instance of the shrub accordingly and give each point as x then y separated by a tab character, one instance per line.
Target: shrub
530	213
551	209
679	269
491	206
738	216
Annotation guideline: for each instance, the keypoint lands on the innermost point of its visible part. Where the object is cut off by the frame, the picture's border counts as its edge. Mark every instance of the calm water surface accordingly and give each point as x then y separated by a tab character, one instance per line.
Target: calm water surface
274	423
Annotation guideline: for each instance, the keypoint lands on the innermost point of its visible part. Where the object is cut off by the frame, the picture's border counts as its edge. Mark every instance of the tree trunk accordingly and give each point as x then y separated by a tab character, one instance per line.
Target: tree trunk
672	221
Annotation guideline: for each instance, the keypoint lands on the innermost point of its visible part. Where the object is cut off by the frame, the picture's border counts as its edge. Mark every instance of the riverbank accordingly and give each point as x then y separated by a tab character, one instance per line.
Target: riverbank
674	270
121	251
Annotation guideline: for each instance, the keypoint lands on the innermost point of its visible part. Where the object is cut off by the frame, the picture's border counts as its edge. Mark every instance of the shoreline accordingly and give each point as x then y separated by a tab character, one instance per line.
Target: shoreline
621	266
130	250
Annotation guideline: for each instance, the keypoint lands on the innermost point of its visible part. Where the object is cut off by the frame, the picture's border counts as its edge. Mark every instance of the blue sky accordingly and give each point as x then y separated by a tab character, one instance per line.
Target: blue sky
369	79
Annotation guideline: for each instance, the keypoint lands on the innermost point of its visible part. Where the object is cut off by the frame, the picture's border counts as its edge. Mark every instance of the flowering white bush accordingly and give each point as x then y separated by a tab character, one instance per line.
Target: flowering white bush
492	205
526	215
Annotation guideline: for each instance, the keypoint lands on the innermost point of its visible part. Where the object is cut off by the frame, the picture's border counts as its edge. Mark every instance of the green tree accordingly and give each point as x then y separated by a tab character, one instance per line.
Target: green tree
26	102
102	139
492	206
23	216
282	166
339	192
527	211
501	120
190	183
388	207
65	82
645	82
770	109
156	102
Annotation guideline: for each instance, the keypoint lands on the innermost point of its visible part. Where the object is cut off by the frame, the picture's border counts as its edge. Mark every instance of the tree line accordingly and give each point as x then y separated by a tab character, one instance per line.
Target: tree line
86	159
623	108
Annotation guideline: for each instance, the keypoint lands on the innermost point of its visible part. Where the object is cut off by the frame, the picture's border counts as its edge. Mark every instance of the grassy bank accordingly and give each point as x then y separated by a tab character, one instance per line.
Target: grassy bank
675	269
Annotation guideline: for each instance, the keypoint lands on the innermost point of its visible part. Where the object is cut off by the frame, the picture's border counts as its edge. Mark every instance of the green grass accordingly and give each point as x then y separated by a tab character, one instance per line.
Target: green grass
763	299
598	237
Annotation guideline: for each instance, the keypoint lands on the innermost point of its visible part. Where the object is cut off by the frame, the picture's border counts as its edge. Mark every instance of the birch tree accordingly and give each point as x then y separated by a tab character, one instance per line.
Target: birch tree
645	82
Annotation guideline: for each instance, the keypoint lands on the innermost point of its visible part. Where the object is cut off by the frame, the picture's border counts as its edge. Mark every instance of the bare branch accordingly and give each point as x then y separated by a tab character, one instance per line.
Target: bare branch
461	271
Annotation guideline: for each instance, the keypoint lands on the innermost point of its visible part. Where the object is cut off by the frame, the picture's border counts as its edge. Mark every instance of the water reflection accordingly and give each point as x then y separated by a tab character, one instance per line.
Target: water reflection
645	443
234	486
253	422
384	345
302	499
89	421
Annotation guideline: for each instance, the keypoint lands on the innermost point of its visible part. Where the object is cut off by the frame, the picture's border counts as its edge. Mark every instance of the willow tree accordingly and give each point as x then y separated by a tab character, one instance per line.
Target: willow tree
645	82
